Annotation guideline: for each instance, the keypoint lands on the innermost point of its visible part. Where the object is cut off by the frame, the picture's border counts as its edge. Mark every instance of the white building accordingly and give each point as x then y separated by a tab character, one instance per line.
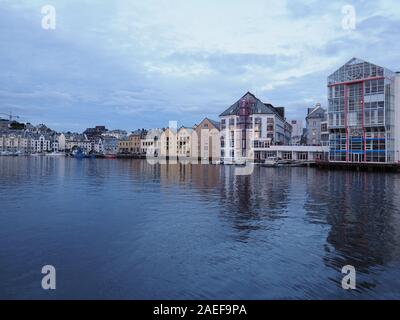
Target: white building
297	131
41	143
185	143
303	153
14	142
251	122
61	142
151	144
98	146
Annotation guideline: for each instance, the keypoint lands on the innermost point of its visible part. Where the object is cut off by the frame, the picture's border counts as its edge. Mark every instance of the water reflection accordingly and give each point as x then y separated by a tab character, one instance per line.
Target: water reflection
196	231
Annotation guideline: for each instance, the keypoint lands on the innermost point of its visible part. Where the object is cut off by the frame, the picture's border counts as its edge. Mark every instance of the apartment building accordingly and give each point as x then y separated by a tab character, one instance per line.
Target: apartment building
208	140
250	123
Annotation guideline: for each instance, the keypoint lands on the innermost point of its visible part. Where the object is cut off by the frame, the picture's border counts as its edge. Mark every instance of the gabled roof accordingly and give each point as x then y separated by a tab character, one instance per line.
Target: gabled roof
356	69
316	109
316	113
188	129
256	106
216	124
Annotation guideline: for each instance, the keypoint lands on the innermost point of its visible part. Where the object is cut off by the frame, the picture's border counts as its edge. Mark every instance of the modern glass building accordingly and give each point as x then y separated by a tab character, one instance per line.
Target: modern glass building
361	113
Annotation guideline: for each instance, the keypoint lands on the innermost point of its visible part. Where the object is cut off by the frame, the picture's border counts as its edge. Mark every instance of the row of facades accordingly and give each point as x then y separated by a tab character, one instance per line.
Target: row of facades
361	124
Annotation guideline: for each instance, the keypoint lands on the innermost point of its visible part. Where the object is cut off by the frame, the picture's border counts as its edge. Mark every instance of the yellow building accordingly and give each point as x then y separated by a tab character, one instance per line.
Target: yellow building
208	140
132	145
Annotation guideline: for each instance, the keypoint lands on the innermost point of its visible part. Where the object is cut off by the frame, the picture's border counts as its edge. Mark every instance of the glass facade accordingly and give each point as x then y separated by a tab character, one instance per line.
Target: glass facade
361	113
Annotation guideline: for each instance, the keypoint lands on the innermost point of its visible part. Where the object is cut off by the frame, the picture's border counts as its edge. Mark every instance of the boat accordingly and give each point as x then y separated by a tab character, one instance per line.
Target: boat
270	162
16	153
55	154
78	154
228	162
240	162
296	163
110	156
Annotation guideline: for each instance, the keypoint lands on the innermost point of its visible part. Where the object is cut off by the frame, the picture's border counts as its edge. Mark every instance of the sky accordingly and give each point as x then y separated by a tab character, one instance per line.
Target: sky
132	64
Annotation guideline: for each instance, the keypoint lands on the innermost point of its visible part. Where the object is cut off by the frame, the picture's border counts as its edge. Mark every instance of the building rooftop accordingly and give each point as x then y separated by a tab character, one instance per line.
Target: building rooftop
256	107
356	69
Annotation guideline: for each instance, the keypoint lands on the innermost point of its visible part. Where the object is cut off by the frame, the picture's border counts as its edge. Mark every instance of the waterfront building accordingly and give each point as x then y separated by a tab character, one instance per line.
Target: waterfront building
363	115
314	119
297	132
55	146
151	143
185	143
40	143
24	142
249	122
298	153
78	141
61	142
98	146
15	142
324	133
168	145
110	145
208	139
132	144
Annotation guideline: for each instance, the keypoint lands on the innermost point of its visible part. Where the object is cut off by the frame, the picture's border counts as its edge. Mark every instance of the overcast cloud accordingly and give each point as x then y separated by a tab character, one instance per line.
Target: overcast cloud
130	64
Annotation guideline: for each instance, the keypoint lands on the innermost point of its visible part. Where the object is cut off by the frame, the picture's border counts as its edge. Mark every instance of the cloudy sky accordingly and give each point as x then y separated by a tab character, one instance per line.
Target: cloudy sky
135	63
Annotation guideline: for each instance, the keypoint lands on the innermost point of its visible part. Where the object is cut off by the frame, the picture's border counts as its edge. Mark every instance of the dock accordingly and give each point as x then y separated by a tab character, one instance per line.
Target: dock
359	166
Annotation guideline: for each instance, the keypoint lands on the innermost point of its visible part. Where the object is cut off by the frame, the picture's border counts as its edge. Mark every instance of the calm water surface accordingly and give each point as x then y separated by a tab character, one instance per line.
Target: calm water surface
126	229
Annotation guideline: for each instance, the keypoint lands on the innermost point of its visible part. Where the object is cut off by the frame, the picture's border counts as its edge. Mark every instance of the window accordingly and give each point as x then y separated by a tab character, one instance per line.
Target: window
302	156
223	124
287	155
374	87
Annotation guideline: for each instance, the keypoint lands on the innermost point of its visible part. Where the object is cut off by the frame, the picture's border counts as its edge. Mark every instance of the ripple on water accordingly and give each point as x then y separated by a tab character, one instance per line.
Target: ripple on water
126	229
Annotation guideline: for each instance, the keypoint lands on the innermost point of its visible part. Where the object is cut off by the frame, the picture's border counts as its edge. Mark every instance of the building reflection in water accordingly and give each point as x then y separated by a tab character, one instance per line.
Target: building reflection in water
251	202
280	232
362	210
246	203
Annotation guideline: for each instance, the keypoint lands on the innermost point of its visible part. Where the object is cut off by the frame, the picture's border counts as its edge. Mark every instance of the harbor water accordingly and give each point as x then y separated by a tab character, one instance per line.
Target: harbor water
126	229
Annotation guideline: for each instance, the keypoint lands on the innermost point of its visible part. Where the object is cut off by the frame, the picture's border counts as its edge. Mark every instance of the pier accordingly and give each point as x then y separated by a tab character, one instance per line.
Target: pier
359	166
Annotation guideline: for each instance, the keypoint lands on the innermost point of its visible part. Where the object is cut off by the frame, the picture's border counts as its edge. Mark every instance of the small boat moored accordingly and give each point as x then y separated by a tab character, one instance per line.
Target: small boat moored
271	162
55	154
